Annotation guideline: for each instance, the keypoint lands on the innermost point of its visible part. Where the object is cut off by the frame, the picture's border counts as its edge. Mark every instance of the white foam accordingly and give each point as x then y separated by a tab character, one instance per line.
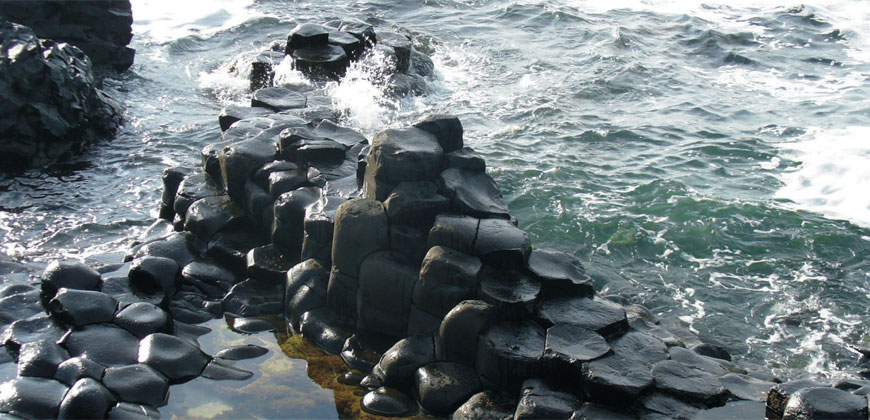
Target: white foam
834	176
360	95
165	20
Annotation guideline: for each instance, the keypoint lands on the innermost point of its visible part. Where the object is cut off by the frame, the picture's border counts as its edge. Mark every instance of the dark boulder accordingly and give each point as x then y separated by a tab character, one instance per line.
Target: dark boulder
50	102
607	318
442	387
387	402
361	354
328	61
465	158
641	347
262	73
415	204
193	188
351	45
398	364
362	30
71	370
102	29
172	178
241	352
36	398
447	129
308	273
304	299
306	35
154	276
320	228
447	277
686	382
473	192
347	136
540	401
254	298
736	410
137	383
615	380
457	339
568	346
712	350
486	405
28	330
268	264
715	367
512	292
325	328
780	394
663	405
175	358
40	358
90	342
239	161
825	403
278	99
289	216
252	325
19	306
81	307
86	399
401	46
454	231
510	352
72	275
361	228
746	387
561	274
208	275
233	113
386	282
182	247
207	216
395	156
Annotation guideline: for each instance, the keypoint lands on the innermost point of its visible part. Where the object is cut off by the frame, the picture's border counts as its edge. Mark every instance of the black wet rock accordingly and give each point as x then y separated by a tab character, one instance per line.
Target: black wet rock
306	35
217	370
128	411
233	113
262	73
28	330
615	380
154	276
254	298
320	228
19	306
90	342
607	318
442	387
307	152
341	293
175	358
386	282
239	161
397	365
281	182
641	347
510	352
746	387
473	192
208	275
734	410
351	45
289	216
446	128
27	397
268	264
72	275
825	403
371	382
359	29
51	102
401	46
278	99
561	274
712	350
486	405
409	241
344	135
409	154
686	382
663	405
458	334
207	216
328	61
86	399
779	394
310	273
512	292
182	247
568	346
252	325
304	299
454	231
40	358
241	352
416	204
421	322
172	178
82	307
195	187
465	158
361	228
361	354
323	327
387	402
716	367
137	383
539	400
447	277
71	370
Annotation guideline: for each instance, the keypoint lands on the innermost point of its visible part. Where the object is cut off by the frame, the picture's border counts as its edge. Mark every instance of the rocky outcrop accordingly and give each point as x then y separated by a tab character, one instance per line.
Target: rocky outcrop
50	105
100	28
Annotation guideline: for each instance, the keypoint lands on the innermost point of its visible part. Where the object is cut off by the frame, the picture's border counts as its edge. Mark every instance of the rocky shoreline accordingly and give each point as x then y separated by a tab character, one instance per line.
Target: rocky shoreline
397	253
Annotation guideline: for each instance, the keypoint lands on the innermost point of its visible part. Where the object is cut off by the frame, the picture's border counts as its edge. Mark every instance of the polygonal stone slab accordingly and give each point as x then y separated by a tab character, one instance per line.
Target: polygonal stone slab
608	319
32	397
361	228
486	405
540	401
398	364
825	403
447	277
415	204
72	275
395	156
322	61
499	240
473	193
510	352
306	35
386	281
640	347
442	387
86	399
512	292
571	345
562	274
82	307
90	342
615	380
683	381
278	99
457	339
454	231
40	358
175	358
137	383
446	128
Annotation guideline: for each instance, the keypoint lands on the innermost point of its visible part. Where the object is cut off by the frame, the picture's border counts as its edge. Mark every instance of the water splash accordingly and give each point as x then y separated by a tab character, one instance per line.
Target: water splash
361	95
